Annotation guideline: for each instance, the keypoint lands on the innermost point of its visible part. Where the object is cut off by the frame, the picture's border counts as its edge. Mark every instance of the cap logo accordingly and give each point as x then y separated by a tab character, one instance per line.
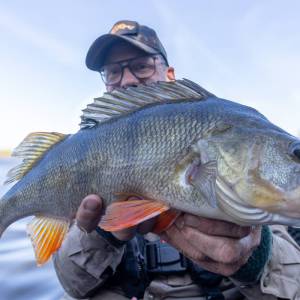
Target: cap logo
121	26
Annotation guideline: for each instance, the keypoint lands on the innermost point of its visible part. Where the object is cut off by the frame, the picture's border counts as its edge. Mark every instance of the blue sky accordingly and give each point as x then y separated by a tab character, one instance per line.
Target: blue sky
246	51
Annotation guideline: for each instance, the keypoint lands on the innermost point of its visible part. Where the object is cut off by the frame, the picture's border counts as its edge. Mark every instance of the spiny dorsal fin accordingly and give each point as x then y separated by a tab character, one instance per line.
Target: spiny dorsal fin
123	101
46	234
32	149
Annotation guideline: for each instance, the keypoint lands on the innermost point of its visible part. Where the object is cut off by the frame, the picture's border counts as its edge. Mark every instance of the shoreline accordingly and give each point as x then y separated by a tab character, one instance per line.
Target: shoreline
5	153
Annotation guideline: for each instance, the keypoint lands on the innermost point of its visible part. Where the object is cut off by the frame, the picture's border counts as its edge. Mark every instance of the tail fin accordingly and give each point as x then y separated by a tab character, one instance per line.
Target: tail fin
11	208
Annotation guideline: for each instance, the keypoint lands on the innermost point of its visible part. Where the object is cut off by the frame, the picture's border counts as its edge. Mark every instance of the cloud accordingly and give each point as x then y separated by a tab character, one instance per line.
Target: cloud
51	46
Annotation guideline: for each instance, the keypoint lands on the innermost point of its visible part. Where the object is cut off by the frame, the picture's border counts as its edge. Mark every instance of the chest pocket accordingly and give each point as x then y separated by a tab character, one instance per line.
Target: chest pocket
156	267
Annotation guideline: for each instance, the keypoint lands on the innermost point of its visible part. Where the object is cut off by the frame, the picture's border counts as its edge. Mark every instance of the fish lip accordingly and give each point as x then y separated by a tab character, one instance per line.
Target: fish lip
246	214
285	220
236	208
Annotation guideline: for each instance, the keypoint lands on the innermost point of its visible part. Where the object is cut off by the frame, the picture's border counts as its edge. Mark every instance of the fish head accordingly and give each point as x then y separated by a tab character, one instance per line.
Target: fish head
274	174
256	168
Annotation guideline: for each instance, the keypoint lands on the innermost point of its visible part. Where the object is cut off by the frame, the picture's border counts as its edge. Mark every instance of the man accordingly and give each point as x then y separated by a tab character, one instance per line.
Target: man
220	260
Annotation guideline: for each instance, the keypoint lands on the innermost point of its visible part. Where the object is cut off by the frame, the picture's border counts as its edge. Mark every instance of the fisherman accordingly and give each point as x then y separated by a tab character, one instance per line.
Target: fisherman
194	258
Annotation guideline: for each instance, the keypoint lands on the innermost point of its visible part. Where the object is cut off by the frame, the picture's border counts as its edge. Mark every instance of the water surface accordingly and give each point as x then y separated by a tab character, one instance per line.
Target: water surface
20	278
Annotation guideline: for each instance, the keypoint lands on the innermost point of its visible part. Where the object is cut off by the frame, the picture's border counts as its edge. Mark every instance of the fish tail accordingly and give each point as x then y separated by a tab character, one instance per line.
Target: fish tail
11	208
46	233
4	219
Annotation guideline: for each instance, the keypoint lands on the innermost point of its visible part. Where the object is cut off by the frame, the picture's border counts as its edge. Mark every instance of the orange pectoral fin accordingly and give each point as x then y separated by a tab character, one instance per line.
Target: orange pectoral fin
125	214
165	220
46	236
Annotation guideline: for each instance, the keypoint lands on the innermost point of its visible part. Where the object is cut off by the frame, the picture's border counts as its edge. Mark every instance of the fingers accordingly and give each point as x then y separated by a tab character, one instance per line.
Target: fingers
221	268
213	227
219	248
174	237
89	212
219	254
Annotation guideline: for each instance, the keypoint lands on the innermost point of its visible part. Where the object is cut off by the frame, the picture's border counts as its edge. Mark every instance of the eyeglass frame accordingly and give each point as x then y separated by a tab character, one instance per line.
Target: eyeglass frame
126	64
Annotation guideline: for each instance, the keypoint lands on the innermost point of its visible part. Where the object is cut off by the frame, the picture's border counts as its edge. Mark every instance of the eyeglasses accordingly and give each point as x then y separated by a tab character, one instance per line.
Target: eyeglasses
141	67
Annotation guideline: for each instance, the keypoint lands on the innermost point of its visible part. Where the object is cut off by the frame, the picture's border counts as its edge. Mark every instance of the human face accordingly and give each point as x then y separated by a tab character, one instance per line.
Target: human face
124	53
142	67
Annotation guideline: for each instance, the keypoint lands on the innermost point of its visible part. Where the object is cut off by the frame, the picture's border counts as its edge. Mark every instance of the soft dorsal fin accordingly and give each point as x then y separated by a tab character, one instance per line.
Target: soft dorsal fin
32	149
123	101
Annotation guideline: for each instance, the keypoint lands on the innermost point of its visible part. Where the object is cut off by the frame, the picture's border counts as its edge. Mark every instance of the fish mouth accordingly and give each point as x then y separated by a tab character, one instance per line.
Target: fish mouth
242	213
291	204
245	214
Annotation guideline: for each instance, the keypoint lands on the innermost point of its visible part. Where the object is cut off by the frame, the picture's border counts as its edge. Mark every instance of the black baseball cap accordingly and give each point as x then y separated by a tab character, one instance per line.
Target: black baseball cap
140	36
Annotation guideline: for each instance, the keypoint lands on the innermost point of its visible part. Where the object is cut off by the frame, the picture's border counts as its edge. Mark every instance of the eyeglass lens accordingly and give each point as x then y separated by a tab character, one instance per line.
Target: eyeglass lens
142	68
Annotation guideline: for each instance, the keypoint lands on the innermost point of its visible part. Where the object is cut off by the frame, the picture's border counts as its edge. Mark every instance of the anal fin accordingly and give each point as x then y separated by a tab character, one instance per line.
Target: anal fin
46	235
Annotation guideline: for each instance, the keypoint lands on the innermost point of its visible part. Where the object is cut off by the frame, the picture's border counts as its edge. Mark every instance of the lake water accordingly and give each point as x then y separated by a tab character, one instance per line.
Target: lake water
20	278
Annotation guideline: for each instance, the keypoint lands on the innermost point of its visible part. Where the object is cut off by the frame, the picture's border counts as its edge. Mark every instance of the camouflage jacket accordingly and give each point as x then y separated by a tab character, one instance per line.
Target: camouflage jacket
85	263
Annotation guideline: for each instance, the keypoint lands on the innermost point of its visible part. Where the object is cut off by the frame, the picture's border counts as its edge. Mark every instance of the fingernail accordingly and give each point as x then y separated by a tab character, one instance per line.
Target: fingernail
91	205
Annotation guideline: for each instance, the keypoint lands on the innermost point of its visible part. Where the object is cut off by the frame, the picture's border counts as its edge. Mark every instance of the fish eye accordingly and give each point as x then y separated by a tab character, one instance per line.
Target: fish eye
295	151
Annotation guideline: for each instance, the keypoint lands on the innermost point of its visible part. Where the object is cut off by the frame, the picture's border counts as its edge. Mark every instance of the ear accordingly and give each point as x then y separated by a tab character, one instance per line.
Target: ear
170	74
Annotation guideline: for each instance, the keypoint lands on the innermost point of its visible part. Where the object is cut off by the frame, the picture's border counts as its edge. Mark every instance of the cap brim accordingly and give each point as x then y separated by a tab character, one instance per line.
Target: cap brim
96	54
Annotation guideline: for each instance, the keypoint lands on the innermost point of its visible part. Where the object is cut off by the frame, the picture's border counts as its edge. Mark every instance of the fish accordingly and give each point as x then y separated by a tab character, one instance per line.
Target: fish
174	147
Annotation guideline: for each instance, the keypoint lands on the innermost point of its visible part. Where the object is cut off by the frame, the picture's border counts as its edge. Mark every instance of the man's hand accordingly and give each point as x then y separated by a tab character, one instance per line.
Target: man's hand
217	246
89	213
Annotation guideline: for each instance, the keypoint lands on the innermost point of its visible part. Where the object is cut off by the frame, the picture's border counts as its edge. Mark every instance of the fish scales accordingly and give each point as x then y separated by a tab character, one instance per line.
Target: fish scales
114	156
203	155
106	157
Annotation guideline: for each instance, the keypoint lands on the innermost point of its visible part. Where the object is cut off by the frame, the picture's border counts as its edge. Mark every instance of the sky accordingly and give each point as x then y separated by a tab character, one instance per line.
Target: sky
245	51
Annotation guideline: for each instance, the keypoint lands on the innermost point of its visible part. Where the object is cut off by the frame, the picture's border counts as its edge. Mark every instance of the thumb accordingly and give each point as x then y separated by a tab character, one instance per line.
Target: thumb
89	212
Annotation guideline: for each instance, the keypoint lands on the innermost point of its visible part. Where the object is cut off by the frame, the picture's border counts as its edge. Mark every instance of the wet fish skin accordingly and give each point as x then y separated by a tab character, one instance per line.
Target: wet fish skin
154	151
114	156
137	153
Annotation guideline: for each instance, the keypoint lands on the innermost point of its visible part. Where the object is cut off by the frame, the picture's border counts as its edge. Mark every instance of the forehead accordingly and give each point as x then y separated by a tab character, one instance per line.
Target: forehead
121	51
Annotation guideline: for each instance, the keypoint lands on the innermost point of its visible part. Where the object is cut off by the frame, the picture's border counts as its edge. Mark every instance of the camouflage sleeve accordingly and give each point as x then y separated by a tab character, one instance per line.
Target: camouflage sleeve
85	261
281	275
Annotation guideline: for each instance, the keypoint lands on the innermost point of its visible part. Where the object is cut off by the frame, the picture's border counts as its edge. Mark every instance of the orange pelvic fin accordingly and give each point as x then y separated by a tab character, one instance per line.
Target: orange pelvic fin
125	214
46	235
165	220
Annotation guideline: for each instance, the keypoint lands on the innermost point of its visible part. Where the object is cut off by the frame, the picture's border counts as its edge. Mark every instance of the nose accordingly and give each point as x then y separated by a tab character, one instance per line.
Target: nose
128	79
